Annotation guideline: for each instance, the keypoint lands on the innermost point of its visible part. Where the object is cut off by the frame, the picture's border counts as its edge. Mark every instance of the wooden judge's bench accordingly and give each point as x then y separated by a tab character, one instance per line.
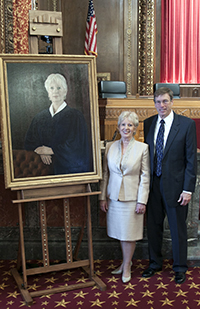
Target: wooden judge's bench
111	108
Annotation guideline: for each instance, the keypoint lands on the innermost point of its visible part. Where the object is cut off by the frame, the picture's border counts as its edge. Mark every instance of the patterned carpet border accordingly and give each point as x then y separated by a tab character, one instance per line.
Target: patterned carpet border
157	292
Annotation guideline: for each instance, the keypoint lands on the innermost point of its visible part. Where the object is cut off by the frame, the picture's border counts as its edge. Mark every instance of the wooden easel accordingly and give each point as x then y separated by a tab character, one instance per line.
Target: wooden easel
41	195
50	23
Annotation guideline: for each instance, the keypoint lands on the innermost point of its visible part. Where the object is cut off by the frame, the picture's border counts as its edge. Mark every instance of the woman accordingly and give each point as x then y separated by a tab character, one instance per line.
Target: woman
125	189
59	133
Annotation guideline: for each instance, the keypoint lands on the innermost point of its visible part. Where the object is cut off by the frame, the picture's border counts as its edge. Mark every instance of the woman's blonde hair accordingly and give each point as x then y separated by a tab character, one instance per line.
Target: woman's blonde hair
58	78
132	116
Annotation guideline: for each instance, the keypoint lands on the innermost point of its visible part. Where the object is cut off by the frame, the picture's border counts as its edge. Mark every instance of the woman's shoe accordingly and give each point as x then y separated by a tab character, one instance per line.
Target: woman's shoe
118	270
126	279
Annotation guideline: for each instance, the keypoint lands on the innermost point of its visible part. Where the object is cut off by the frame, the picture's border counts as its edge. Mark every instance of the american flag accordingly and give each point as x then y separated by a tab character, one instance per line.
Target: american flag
91	31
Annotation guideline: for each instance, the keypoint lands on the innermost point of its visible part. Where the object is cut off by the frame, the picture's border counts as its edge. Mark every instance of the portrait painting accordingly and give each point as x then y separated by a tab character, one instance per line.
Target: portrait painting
49	120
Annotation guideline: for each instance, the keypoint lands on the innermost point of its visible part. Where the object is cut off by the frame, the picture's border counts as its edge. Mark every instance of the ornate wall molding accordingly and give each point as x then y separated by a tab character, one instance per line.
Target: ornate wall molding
2	27
6	26
129	49
146	42
9	46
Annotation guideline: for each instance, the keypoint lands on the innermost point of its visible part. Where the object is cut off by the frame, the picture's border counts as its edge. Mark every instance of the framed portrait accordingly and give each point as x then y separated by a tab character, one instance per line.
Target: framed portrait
49	120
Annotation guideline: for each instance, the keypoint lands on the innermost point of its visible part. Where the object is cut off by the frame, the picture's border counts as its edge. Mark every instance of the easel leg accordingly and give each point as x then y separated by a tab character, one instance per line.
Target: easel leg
89	233
22	245
22	284
67	230
43	223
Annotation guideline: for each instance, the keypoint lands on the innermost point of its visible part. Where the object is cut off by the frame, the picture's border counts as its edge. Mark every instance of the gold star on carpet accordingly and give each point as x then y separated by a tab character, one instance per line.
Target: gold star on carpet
50	287
98	294
112	266
52	280
162	285
198	301
141	266
130	286
113	287
3	286
184	301
80	294
82	279
15	294
168	266
193	285
114	294
189	272
98	273
132	302
97	303
33	287
80	303
145	286
147	293
167	302
6	273
45	303
159	278
47	296
22	304
68	273
10	302
190	278
67	279
98	261
64	294
97	266
95	287
150	302
143	279
115	303
165	293
36	279
131	294
113	279
62	303
180	293
197	293
5	279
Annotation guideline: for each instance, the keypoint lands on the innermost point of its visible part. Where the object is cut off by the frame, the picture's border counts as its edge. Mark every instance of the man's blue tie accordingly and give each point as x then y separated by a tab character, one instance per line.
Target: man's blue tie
159	148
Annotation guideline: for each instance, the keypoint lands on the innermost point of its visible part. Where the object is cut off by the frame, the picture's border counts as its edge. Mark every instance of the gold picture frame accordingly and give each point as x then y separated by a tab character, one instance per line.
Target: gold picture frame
24	98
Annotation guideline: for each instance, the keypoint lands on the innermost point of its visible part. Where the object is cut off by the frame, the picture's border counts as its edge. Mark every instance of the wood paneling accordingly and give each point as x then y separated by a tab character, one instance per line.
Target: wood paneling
144	108
109	16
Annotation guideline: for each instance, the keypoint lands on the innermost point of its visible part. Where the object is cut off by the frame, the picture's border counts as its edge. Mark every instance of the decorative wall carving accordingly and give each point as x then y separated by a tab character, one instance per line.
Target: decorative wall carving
146	41
129	49
6	26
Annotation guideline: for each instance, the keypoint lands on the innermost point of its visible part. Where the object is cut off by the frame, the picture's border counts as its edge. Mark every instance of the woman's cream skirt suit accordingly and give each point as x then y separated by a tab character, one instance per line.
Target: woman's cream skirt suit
125	183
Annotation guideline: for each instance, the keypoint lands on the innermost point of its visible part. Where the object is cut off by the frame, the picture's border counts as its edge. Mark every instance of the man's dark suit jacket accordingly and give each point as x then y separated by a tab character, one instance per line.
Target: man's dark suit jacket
179	158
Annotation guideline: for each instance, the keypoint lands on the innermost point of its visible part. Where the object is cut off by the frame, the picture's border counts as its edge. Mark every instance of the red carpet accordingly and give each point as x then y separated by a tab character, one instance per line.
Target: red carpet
157	292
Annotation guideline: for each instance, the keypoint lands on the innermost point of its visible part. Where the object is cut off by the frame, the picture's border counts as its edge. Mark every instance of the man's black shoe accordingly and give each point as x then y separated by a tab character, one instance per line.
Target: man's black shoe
179	277
149	272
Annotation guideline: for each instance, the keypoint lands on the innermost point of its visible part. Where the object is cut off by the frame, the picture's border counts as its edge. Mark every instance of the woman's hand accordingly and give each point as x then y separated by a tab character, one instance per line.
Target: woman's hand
104	206
44	150
45	154
46	159
140	208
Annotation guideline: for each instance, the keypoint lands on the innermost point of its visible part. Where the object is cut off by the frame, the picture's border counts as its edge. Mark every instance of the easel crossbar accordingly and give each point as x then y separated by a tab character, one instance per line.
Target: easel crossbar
58	267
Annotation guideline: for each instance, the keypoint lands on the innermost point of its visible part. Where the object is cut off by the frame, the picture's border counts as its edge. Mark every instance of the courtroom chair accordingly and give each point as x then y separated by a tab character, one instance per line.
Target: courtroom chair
112	89
174	87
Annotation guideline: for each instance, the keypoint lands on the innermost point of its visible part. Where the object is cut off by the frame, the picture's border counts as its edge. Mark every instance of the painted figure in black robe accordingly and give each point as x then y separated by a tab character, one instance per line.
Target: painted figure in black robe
59	133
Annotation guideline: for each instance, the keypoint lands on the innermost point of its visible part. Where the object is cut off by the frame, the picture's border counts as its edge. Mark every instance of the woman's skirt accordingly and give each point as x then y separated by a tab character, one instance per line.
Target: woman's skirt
123	223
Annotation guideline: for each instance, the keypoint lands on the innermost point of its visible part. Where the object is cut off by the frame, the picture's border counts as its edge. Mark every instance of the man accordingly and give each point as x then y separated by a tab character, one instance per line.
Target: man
173	162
